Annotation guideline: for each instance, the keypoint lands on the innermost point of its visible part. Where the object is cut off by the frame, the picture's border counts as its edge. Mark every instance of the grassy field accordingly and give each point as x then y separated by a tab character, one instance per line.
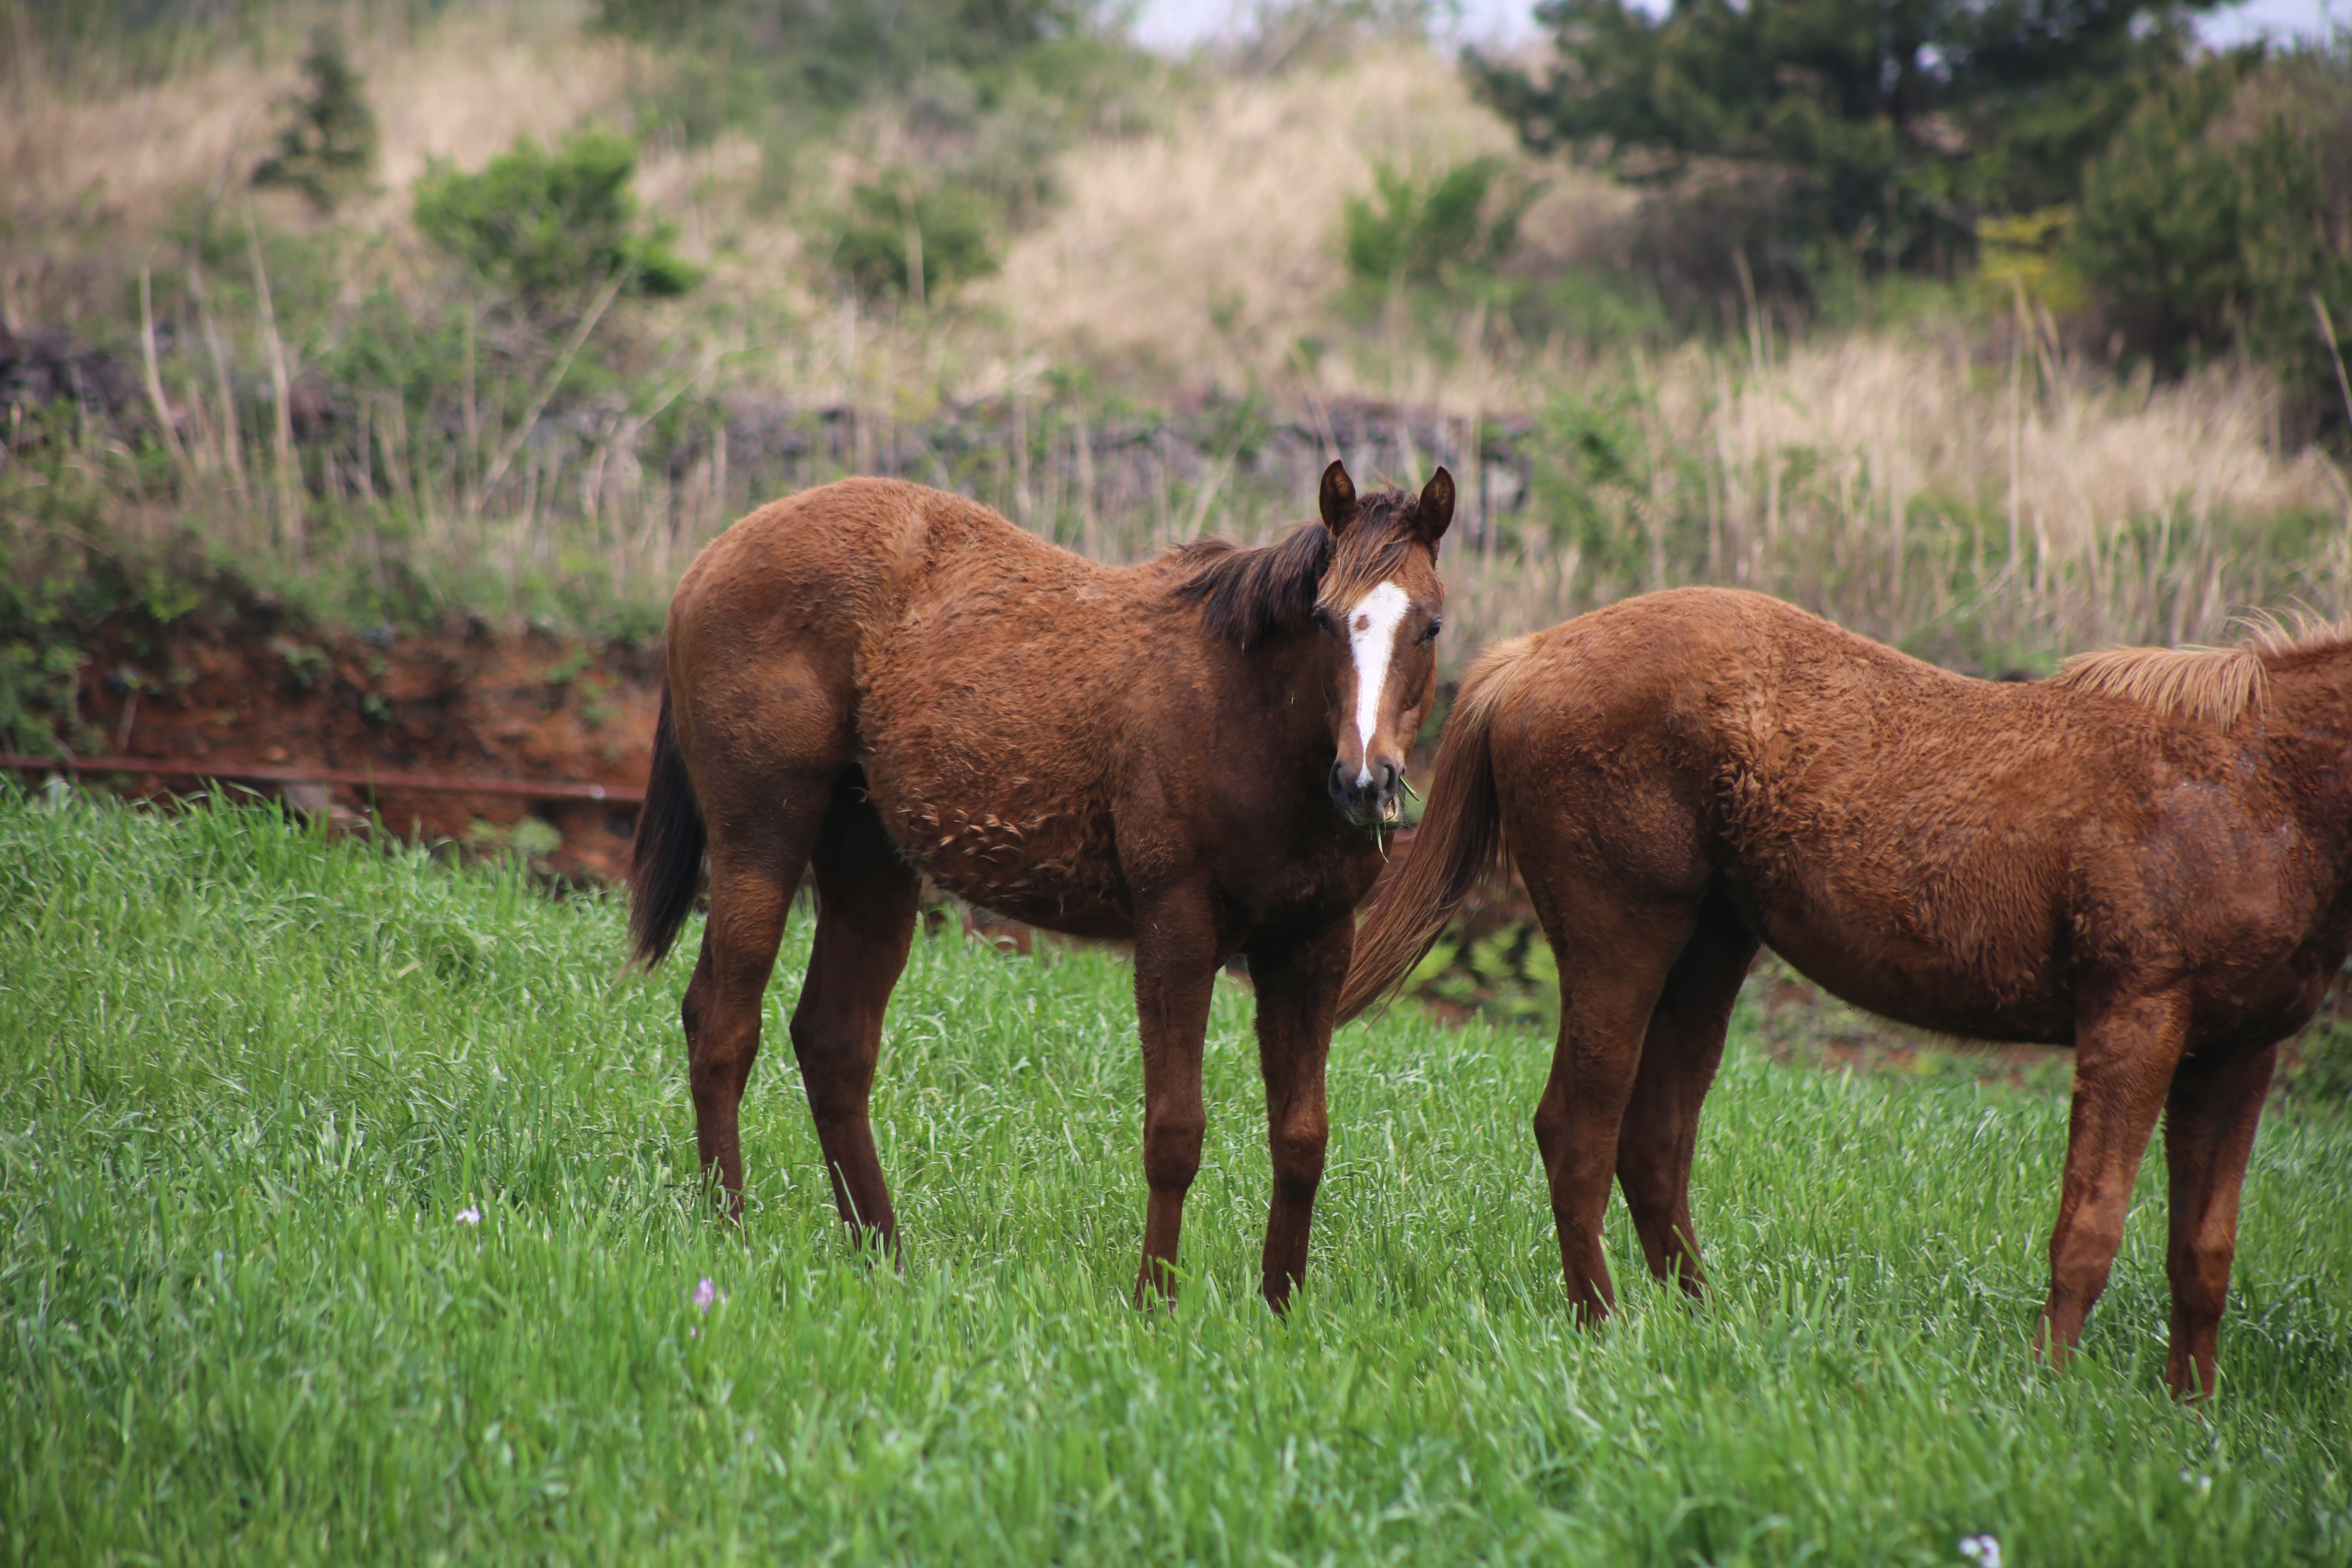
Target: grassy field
254	1084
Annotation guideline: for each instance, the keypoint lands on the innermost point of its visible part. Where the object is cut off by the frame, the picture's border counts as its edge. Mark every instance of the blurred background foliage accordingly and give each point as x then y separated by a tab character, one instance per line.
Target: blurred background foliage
2190	203
1993	330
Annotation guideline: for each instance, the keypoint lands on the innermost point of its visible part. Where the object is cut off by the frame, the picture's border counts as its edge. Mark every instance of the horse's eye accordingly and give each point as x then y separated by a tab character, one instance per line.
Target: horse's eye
1434	628
1324	623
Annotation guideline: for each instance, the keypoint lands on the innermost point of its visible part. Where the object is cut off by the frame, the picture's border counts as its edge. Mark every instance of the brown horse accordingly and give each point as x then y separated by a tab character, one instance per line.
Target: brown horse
1195	754
2147	858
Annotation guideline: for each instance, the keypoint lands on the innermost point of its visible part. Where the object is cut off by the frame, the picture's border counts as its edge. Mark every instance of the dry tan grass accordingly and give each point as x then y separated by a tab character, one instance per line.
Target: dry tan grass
1831	451
120	164
1911	420
1206	250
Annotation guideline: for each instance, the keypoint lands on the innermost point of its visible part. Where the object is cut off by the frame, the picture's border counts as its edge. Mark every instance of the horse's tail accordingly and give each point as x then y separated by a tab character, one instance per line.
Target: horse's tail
665	861
1458	843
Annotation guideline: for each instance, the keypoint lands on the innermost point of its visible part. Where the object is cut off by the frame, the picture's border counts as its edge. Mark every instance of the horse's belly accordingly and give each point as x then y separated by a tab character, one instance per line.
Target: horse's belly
1045	858
1951	985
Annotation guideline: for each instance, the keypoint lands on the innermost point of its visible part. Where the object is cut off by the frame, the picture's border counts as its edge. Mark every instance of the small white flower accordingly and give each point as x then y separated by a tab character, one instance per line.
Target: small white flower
2199	1484
469	1215
1982	1550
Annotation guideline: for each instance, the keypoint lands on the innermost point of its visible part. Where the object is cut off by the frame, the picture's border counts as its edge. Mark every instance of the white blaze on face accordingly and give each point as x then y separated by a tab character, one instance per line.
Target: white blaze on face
1372	642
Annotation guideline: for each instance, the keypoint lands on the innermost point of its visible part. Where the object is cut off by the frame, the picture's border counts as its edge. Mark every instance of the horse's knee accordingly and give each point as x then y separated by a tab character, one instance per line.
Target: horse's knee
709	1073
1171	1152
718	1050
1651	1192
2201	1280
1550	1123
1298	1145
838	1084
2081	1259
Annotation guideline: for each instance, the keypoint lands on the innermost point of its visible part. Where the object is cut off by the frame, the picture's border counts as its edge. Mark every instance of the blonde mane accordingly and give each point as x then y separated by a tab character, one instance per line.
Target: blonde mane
2300	631
2216	685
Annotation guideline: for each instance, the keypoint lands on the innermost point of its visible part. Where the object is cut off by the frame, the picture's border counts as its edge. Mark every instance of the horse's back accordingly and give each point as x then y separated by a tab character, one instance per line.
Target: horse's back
980	677
768	625
1951	851
828	558
1894	828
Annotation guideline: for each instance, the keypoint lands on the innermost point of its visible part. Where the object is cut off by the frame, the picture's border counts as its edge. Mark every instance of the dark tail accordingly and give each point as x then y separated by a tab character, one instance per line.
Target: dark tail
1458	845
666	863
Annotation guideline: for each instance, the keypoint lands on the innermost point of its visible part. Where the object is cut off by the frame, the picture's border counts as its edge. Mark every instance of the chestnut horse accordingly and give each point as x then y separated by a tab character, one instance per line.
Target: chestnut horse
2147	858
1196	754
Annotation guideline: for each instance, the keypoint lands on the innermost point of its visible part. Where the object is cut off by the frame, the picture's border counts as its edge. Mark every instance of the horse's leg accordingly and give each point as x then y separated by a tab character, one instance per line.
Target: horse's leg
2124	1054
2209	1132
1679	1058
754	867
1297	989
1175	972
1613	961
865	901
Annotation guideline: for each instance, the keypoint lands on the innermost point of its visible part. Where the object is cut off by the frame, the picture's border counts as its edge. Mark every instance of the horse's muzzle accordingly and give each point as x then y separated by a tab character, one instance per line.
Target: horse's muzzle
1366	796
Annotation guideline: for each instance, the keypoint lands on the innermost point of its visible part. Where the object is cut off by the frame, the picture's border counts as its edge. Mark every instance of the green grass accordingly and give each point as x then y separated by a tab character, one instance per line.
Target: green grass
248	1078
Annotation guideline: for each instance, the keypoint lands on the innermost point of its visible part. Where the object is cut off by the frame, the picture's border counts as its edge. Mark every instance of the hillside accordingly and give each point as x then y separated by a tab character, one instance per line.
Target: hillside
1163	330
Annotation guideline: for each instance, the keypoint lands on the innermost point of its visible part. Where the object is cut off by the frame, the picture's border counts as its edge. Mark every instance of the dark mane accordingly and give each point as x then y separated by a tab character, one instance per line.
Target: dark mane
1248	596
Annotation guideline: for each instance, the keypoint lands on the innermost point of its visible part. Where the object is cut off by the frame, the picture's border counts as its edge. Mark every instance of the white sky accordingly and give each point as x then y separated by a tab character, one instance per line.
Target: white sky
1176	24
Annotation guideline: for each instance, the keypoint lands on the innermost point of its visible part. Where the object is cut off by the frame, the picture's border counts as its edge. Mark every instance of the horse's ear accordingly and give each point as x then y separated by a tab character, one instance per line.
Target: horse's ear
1338	499
1436	508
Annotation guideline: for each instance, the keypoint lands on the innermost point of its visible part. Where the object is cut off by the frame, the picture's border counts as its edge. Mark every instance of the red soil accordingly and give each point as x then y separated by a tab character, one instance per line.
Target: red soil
468	702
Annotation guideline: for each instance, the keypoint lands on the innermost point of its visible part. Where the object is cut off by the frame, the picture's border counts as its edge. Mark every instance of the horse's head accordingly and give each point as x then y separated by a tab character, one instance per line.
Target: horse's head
1377	608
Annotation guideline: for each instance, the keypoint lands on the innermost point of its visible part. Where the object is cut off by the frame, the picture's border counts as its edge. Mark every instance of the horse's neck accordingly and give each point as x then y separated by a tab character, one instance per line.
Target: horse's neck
2311	695
2308	720
1289	671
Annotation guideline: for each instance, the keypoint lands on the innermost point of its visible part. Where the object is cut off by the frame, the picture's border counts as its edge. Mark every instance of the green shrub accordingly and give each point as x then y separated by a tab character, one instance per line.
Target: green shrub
1434	227
327	148
551	227
896	237
2223	208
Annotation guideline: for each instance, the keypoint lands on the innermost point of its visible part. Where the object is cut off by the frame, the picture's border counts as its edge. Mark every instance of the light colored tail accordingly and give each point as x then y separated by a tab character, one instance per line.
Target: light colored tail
1458	845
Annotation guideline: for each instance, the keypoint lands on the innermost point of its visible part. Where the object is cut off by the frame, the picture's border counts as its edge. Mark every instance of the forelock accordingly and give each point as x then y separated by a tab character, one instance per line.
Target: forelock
1382	542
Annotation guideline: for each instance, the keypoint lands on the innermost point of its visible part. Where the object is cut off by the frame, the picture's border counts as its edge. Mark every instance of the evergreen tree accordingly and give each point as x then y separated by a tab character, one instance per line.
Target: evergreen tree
1887	125
2220	219
327	148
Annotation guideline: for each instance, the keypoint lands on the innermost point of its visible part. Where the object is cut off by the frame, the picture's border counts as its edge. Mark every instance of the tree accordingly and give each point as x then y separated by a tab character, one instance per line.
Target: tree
1887	126
327	148
2223	210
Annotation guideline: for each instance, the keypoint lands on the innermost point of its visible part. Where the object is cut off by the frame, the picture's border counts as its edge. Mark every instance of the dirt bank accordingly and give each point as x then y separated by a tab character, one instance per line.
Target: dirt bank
250	687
